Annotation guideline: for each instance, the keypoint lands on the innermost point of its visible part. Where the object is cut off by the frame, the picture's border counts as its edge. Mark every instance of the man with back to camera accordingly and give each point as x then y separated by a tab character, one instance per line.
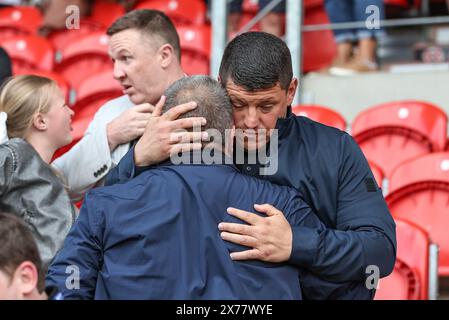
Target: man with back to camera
324	165
155	237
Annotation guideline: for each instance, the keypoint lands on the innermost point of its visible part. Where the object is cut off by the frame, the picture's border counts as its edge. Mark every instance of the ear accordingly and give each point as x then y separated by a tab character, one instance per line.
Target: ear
40	122
219	79
26	279
292	91
166	54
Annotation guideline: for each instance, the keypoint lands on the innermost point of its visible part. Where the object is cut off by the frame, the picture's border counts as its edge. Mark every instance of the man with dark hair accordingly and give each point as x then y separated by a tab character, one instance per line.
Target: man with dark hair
323	164
144	47
21	274
5	66
155	237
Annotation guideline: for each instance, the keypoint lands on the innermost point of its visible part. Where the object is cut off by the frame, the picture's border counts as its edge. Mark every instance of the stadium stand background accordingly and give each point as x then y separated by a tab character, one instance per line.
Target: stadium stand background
397	115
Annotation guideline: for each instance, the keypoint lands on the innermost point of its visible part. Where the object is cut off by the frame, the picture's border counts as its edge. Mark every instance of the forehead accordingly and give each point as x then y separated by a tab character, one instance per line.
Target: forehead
131	40
241	93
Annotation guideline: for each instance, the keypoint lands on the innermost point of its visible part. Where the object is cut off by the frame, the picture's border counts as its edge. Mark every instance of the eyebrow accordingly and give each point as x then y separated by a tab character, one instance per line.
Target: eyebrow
120	52
236	99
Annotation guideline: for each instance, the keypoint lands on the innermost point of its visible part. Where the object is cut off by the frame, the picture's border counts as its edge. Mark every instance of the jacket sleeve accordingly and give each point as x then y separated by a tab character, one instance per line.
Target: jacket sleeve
314	287
74	270
365	231
6	169
125	170
88	161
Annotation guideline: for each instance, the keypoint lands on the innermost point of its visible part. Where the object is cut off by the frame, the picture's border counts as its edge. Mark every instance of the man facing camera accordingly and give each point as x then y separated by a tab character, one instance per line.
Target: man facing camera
156	236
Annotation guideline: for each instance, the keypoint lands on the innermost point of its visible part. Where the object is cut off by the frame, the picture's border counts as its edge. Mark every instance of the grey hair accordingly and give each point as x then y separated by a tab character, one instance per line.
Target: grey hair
212	99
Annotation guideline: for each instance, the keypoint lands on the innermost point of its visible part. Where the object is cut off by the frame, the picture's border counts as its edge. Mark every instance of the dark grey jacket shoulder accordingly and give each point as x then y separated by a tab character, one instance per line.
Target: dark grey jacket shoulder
30	189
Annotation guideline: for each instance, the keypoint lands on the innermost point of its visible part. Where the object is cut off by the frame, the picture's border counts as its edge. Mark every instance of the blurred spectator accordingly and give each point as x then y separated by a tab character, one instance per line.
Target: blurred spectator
348	61
271	23
54	12
37	121
5	66
21	274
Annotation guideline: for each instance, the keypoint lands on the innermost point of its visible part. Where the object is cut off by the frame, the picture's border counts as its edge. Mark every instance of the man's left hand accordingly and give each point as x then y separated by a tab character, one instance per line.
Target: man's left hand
270	237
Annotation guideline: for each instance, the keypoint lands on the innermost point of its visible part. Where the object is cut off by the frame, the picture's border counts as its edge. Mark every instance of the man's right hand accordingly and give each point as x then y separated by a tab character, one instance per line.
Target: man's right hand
164	136
129	125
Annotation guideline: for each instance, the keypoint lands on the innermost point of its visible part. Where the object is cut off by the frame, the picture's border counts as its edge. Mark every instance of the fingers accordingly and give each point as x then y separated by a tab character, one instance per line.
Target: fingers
268	209
187	136
159	107
248	217
252	254
239	239
237	228
188	123
185	147
144	108
175	112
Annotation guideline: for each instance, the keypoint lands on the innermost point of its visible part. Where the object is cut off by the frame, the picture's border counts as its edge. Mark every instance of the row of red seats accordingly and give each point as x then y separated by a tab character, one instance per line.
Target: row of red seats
390	133
413	137
319	47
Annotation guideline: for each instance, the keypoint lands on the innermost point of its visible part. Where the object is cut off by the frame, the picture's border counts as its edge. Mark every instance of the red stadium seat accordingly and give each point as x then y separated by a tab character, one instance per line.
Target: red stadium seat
250	6
106	12
319	48
419	192
85	56
180	11
401	284
311	4
29	52
62	38
393	132
410	278
321	114
62	83
195	47
377	172
19	20
92	93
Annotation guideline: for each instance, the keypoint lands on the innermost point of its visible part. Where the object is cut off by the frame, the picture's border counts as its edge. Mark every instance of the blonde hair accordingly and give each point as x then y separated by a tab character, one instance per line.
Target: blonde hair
21	98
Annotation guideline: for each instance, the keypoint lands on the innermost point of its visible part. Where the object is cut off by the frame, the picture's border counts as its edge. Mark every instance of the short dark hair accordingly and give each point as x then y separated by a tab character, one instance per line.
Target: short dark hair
212	99
18	246
149	22
257	60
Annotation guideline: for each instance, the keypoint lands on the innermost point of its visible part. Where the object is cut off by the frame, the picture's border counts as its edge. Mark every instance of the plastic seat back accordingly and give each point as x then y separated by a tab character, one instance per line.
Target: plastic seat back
29	52
393	132
19	20
322	115
410	278
419	192
180	11
86	56
195	46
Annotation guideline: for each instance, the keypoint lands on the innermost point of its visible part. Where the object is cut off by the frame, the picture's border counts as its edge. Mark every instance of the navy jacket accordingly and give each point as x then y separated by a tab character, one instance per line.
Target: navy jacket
330	172
156	237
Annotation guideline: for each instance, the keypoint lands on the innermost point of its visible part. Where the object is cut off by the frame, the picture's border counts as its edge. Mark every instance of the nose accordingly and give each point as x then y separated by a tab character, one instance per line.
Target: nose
251	118
119	74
